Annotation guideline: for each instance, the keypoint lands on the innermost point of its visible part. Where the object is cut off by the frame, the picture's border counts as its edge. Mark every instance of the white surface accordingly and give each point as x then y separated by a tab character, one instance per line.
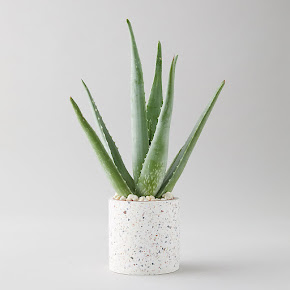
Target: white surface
72	254
53	192
144	237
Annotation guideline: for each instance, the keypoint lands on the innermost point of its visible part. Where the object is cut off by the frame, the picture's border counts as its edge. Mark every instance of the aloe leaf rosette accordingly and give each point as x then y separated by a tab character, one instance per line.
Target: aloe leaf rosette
150	134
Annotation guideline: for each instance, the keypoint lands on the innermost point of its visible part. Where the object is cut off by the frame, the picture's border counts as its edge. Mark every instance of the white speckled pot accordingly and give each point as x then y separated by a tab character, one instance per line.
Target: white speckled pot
144	237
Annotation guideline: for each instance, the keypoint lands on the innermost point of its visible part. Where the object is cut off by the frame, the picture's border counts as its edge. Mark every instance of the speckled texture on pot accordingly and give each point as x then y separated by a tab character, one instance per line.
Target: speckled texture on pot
144	236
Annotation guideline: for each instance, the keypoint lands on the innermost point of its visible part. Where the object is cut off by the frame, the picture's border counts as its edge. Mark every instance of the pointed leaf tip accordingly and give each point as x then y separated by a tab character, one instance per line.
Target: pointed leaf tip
159	50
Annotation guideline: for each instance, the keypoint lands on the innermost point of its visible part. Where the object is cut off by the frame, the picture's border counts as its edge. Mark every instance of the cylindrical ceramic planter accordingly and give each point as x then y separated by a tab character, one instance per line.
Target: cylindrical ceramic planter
144	237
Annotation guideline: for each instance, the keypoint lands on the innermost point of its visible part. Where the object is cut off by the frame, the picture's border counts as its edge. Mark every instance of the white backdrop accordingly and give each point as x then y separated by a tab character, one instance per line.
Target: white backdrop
235	188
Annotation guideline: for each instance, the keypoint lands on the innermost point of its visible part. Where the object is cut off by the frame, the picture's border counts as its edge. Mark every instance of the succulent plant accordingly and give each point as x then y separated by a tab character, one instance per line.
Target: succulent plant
150	134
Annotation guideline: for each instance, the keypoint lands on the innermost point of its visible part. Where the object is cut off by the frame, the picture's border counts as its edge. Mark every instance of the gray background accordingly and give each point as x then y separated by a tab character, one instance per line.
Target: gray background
235	189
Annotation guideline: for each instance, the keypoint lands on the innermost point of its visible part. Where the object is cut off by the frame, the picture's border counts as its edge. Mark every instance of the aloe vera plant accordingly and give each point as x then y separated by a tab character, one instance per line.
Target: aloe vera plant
150	134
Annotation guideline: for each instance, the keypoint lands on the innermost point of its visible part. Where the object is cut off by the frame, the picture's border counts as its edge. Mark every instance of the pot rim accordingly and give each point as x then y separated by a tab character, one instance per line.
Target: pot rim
147	202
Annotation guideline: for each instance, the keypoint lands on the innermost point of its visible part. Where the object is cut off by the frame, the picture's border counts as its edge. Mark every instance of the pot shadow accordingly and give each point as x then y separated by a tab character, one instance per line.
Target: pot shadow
215	268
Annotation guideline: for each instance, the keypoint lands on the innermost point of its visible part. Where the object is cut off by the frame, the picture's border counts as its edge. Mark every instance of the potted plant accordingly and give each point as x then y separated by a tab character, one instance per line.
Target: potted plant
143	214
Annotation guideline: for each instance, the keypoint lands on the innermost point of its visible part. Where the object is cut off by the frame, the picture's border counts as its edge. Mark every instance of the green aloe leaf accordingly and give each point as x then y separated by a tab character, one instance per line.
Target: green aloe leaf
109	143
154	167
113	174
156	99
179	163
138	110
